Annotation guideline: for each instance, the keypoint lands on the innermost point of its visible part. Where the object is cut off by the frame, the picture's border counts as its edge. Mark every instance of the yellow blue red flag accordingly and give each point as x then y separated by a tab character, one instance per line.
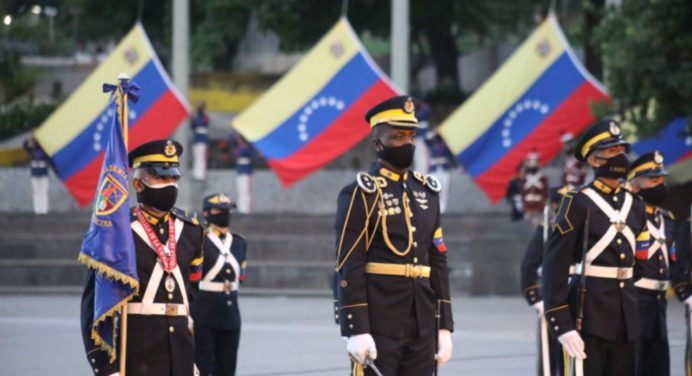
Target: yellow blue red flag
315	112
539	94
74	136
674	142
108	246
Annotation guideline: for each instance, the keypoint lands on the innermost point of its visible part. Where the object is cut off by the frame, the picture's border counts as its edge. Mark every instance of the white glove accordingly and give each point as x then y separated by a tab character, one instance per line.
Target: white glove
115	374
539	307
361	345
444	347
572	343
688	301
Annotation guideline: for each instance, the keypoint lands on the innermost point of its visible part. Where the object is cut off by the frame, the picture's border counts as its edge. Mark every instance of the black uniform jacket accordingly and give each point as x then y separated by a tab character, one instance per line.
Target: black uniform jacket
219	310
392	306
156	344
528	274
607	300
657	266
681	276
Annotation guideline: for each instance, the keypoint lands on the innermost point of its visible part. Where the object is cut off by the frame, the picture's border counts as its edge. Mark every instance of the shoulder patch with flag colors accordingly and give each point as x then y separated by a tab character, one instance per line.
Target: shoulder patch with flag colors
439	241
642	244
539	94
315	112
75	135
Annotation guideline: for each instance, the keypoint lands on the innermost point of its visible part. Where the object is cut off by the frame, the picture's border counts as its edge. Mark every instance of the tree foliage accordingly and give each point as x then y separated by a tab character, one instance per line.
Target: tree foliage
647	51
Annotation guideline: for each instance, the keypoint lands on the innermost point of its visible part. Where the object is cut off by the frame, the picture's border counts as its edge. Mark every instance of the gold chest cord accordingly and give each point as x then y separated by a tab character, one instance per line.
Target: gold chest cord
407	219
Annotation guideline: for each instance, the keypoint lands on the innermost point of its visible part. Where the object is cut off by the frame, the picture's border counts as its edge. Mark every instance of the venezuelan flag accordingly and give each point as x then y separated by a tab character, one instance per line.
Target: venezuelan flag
675	144
540	93
315	112
75	135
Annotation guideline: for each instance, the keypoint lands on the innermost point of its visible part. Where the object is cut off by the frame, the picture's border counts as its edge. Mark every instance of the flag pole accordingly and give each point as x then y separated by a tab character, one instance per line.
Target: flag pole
123	339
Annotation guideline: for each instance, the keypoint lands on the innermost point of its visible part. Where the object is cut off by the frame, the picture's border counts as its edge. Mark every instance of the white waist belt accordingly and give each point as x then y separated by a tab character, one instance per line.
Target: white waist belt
218	286
609	272
652	284
161	309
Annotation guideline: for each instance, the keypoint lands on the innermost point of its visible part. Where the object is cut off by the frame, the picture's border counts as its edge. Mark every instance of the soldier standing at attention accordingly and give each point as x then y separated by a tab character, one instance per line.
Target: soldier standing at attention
215	310
168	247
391	261
529	280
682	280
652	270
598	227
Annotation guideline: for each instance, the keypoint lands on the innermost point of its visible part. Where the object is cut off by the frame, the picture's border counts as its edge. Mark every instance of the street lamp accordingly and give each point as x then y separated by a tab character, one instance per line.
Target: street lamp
7	20
36	9
51	12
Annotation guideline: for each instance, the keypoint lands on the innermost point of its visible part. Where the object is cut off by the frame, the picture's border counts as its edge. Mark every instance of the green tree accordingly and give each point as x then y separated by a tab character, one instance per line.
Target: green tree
647	52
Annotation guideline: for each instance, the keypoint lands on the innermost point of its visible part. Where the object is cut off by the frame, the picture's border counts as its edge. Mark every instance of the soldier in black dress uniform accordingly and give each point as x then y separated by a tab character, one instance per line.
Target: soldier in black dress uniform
596	316
529	280
168	247
215	311
682	280
391	260
652	270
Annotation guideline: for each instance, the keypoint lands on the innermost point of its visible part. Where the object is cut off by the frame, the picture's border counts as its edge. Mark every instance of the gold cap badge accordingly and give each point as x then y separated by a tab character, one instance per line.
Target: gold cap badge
169	150
409	107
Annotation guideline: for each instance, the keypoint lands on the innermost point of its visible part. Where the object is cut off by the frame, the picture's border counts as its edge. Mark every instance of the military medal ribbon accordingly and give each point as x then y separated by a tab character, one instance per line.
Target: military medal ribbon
169	261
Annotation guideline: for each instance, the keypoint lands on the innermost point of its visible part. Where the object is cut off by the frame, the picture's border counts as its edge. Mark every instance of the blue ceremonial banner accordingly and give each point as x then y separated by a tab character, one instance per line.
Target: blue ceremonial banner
108	246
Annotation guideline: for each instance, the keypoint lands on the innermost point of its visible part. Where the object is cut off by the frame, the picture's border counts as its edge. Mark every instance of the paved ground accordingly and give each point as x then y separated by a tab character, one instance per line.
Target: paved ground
39	335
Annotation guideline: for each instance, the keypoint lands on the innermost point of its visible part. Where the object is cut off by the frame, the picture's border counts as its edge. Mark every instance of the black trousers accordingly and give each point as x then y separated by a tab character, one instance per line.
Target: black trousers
609	358
653	357
404	356
216	350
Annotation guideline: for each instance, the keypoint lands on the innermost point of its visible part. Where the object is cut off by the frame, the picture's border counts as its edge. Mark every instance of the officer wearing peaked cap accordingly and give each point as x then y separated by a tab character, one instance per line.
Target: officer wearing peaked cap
216	313
647	179
598	228
391	267
168	248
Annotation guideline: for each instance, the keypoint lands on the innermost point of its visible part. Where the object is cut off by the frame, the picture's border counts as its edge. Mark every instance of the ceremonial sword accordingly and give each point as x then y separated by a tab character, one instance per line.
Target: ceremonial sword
371	363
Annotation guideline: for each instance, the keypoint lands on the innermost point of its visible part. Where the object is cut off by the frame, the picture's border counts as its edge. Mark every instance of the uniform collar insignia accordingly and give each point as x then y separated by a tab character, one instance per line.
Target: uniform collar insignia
391	175
153	219
605	188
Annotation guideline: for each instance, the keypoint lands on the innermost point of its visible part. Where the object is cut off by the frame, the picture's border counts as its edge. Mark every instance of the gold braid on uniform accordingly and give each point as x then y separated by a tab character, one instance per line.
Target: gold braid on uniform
364	232
407	218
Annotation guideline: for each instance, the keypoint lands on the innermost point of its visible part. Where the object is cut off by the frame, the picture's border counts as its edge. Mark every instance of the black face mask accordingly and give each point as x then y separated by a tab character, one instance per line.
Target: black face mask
400	157
532	170
615	167
158	197
222	219
654	195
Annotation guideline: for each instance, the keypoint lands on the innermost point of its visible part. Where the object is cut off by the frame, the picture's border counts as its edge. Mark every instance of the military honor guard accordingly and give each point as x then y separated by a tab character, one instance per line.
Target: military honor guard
215	310
534	189
598	230
39	175
549	350
392	285
168	246
682	280
652	270
200	142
